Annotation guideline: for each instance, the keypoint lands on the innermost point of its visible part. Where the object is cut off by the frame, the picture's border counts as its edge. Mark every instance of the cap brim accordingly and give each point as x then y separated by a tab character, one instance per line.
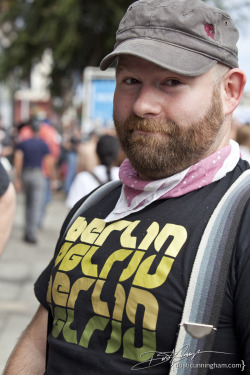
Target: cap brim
171	57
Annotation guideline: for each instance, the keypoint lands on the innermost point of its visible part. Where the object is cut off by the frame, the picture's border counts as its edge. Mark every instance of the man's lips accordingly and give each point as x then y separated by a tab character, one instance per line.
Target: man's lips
146	132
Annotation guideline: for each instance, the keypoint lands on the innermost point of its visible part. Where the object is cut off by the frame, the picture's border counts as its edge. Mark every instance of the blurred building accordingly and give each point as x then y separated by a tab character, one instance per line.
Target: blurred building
36	98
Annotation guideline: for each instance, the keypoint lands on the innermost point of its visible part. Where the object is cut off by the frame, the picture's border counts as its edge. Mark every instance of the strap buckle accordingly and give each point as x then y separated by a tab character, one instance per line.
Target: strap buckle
198	330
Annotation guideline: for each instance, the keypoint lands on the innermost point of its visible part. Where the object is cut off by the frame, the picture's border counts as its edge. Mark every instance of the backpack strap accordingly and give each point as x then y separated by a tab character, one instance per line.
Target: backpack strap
208	280
100	182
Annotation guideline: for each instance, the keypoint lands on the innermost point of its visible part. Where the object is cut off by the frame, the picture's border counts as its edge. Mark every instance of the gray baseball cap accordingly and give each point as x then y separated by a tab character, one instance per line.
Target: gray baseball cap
184	36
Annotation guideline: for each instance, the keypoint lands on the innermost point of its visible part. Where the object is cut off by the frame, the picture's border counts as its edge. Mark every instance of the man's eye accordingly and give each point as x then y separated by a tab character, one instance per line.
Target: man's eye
130	81
173	82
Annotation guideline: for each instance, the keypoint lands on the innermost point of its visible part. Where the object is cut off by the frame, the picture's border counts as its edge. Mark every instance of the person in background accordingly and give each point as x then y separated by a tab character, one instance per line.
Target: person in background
107	150
243	138
70	143
51	136
112	297
87	158
6	148
7	207
29	177
24	131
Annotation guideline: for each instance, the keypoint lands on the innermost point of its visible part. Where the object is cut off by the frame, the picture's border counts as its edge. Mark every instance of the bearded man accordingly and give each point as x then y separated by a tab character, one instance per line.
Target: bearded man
116	286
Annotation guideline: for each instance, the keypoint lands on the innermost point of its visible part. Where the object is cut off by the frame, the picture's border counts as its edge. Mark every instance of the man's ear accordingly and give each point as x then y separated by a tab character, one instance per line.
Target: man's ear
233	84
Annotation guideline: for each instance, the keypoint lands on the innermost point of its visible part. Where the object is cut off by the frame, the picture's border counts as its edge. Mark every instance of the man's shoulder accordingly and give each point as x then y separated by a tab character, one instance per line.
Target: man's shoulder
39	142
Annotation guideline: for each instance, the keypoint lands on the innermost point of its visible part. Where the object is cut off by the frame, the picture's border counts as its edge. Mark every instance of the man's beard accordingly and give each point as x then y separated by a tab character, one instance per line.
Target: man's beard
175	147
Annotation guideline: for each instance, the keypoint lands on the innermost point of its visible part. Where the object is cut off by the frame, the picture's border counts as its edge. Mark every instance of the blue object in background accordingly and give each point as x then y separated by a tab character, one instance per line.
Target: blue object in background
102	93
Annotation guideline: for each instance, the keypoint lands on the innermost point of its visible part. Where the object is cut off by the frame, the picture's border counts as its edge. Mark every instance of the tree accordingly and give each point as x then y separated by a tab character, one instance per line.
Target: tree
78	32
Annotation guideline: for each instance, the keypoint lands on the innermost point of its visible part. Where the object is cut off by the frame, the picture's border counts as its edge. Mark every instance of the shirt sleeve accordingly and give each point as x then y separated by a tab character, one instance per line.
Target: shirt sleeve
46	149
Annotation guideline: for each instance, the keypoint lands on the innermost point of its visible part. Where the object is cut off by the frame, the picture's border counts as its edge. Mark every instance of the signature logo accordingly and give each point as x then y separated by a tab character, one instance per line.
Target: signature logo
174	358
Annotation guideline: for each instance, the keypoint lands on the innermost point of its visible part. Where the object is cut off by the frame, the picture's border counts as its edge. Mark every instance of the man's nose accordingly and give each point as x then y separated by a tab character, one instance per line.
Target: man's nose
148	102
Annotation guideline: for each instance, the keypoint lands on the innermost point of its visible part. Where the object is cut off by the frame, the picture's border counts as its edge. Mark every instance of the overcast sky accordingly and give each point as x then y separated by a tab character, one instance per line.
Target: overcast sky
243	113
241	17
244	56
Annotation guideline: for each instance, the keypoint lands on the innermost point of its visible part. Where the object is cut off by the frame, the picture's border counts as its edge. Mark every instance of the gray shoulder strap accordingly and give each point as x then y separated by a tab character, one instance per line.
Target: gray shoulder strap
208	280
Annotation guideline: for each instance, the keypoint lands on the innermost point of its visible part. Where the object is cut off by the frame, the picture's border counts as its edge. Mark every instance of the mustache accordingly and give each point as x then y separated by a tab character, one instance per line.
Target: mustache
152	125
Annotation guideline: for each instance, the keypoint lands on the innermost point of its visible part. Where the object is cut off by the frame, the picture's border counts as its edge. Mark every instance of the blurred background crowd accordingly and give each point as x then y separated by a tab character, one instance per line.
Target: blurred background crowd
41	160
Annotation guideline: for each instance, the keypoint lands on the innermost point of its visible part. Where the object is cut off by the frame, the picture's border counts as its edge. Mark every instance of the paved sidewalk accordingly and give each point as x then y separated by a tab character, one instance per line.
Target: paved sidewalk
20	265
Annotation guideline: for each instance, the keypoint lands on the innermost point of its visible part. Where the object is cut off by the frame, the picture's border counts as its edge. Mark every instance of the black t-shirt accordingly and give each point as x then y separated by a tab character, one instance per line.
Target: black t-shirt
4	180
117	290
34	150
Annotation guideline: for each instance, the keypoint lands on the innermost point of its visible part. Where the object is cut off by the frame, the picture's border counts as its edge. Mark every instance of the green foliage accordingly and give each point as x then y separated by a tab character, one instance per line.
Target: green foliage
79	33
